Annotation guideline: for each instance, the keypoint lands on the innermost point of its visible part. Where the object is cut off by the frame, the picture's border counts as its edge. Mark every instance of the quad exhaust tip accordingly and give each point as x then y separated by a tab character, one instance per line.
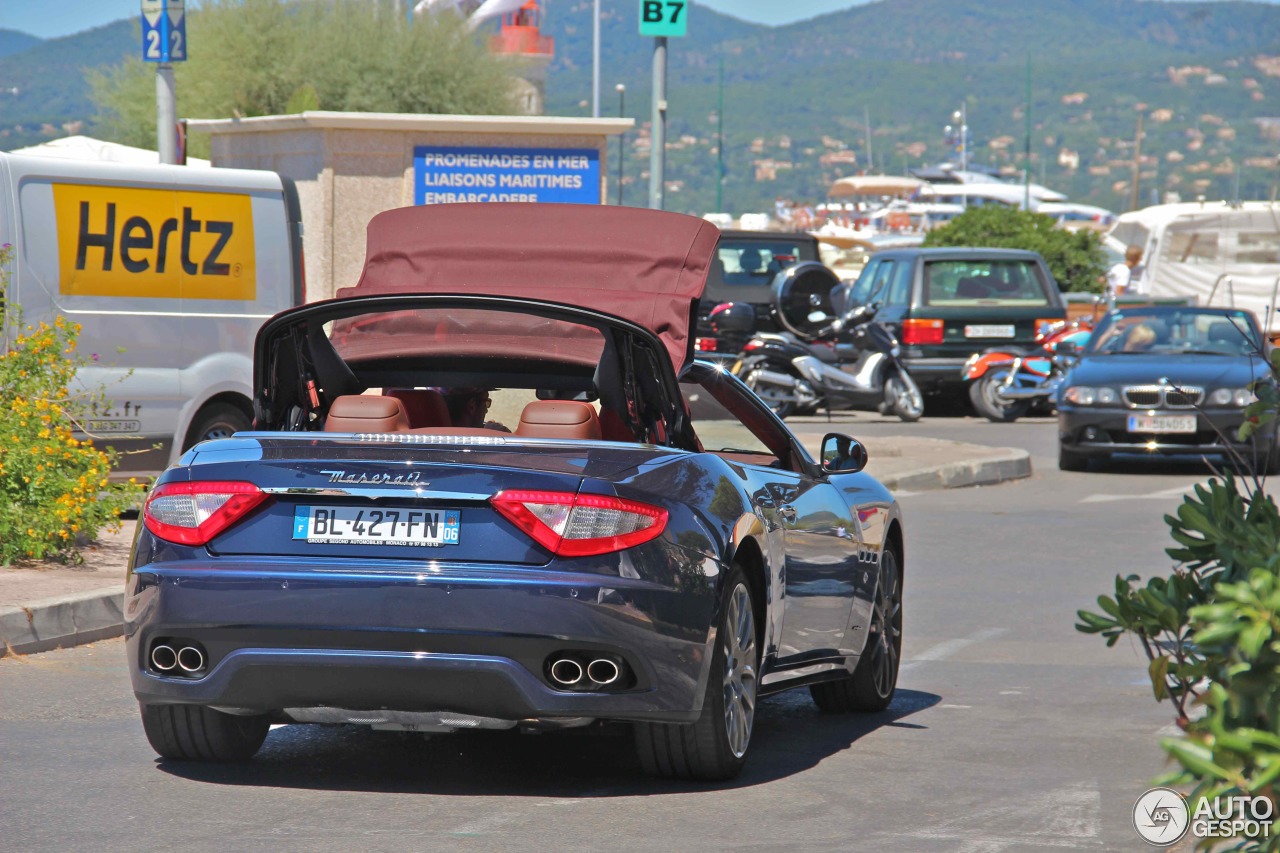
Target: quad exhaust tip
584	671
191	659
603	671
566	671
164	658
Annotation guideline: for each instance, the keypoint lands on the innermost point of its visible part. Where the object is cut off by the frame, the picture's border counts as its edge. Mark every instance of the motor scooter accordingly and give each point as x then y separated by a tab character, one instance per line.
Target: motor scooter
828	356
1005	383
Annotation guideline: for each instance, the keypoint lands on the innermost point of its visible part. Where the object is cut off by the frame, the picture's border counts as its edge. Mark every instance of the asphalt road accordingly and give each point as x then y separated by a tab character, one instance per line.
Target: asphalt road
1010	731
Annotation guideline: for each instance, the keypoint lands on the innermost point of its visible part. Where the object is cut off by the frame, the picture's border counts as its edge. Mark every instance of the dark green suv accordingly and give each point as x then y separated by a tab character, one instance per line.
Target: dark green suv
944	305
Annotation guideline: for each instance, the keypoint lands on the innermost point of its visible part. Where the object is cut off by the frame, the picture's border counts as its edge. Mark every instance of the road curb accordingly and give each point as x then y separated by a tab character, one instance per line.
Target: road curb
70	620
1011	464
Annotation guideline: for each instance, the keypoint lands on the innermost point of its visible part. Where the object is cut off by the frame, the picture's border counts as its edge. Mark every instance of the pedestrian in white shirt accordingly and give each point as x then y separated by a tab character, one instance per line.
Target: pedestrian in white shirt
1122	278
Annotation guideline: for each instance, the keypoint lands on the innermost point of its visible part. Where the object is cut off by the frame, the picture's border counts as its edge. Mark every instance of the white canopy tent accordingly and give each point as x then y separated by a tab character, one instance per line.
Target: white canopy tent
88	148
1212	253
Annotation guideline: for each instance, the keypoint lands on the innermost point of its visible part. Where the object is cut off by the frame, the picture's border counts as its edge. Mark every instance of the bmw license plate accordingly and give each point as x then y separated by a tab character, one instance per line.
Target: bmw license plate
349	525
1162	423
989	331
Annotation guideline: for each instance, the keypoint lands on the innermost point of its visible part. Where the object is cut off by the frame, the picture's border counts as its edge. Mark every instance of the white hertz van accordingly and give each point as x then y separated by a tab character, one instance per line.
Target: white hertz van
170	270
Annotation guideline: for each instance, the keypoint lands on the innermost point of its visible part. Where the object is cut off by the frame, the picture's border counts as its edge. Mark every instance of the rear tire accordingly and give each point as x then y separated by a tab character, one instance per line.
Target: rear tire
218	420
715	746
875	678
1069	460
982	393
197	733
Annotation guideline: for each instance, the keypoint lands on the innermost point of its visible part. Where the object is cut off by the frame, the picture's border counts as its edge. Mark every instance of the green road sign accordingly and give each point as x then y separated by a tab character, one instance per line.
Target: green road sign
664	18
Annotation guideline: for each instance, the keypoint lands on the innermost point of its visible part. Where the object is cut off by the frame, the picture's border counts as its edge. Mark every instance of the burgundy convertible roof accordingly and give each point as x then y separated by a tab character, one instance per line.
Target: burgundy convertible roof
646	266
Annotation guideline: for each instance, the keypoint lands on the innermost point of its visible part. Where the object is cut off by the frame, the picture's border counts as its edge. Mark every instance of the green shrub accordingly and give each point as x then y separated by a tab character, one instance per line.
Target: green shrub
1075	258
54	491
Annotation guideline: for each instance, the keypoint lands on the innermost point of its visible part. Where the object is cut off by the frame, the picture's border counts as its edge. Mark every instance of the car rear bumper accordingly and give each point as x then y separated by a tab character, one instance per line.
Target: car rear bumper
475	640
1096	431
932	374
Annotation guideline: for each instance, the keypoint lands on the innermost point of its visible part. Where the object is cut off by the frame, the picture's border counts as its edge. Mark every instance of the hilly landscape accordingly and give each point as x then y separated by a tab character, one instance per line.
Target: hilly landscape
797	98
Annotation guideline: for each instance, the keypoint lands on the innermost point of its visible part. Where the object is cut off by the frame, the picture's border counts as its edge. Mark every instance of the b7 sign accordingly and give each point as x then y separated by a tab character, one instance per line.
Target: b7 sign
664	18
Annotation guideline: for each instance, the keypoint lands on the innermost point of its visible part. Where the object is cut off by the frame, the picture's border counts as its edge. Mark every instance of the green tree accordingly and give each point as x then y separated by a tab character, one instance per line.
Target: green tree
1074	257
268	57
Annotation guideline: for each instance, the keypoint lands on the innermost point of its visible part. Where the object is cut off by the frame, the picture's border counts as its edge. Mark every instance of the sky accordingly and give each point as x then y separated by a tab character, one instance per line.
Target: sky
73	16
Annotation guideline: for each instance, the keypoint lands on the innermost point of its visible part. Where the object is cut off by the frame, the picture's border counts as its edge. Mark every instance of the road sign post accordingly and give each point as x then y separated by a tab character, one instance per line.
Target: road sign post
661	19
164	41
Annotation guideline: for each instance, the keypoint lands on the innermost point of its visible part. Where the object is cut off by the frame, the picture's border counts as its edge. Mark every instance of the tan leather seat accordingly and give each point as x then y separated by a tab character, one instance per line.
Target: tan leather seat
425	407
559	419
358	413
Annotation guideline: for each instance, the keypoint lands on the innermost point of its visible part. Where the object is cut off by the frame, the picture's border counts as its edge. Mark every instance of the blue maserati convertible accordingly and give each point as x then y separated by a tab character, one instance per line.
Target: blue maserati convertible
375	552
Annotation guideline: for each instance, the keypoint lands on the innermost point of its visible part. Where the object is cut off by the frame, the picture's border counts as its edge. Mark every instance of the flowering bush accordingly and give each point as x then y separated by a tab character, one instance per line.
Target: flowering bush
54	491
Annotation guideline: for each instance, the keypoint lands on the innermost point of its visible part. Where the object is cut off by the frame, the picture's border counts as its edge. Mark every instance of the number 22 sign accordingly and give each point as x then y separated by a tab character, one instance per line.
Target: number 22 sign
164	31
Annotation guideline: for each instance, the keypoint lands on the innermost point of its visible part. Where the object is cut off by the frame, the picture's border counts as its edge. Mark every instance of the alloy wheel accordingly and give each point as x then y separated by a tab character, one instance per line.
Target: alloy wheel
886	630
739	645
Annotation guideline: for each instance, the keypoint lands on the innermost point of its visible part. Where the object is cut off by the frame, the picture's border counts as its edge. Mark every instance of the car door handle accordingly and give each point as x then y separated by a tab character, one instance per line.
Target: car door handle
787	511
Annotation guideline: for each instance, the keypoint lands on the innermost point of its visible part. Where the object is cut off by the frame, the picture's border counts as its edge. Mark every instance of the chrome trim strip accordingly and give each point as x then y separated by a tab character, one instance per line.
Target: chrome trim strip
415	493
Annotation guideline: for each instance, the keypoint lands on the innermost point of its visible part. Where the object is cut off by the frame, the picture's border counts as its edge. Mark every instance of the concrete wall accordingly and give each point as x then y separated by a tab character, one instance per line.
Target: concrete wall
350	166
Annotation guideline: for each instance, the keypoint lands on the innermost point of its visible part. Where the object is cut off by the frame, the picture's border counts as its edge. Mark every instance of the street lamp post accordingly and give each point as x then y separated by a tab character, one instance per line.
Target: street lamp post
961	119
622	137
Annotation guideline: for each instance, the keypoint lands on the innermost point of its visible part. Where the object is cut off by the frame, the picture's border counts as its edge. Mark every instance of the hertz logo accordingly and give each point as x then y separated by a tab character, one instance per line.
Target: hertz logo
161	243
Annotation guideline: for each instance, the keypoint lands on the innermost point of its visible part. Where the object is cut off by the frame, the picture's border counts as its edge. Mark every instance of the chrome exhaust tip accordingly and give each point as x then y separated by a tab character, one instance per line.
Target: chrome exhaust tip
191	659
566	671
603	671
163	658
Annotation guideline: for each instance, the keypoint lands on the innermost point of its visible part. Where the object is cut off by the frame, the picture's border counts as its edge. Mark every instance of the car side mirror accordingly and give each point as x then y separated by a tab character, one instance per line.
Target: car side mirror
842	454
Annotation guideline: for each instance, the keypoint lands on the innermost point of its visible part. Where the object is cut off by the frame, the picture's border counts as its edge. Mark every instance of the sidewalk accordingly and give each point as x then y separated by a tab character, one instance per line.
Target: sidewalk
55	606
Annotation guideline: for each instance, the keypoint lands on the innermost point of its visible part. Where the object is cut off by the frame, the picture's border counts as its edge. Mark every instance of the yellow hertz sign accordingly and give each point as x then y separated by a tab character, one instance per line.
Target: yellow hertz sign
169	244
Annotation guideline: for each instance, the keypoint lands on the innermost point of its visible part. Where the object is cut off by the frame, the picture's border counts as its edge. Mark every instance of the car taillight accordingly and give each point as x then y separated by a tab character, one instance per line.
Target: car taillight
706	344
570	525
922	331
193	513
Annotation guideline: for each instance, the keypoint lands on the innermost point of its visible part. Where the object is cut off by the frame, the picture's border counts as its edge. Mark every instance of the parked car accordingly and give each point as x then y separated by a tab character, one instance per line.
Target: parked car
1164	381
743	272
363	557
946	305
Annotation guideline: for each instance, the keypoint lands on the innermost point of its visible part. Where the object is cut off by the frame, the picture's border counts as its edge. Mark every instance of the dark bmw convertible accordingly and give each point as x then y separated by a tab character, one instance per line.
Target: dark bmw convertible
1167	380
374	553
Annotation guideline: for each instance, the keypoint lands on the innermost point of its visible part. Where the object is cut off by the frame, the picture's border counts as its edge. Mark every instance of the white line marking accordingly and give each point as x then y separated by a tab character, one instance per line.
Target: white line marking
1163	494
946	649
484	825
1064	817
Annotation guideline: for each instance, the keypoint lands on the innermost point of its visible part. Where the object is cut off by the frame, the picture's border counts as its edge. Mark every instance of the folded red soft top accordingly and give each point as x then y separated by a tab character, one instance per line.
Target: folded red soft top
646	266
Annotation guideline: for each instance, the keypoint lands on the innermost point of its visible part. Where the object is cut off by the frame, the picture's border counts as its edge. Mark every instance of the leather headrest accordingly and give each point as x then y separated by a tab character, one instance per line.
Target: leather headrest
359	413
559	419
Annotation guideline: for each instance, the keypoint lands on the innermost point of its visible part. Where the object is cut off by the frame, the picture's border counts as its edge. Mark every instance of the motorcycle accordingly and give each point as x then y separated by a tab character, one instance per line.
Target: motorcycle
828	356
1005	384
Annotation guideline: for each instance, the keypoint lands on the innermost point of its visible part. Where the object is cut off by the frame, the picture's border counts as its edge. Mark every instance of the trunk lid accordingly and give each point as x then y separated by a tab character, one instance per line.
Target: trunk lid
386	496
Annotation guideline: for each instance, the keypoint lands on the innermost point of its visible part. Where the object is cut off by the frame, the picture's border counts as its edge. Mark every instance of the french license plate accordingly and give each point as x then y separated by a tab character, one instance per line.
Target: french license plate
988	331
1162	423
349	525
